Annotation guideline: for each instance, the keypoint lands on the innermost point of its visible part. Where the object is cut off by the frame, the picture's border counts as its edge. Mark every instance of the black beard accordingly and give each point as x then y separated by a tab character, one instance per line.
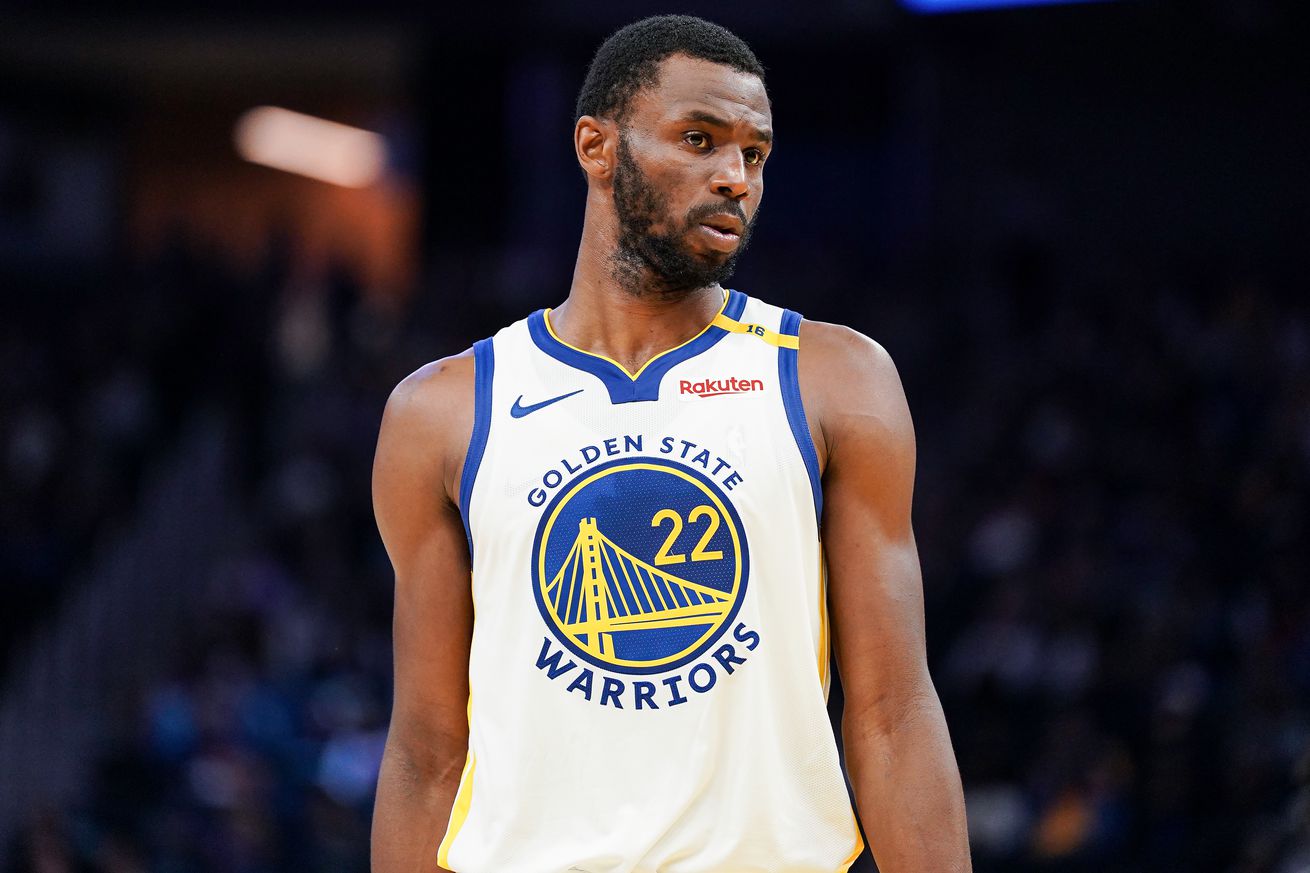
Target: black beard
662	263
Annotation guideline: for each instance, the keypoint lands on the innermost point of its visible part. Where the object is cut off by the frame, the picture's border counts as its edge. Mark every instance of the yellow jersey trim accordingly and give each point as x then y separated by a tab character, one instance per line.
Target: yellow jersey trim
545	318
859	848
460	811
772	337
823	654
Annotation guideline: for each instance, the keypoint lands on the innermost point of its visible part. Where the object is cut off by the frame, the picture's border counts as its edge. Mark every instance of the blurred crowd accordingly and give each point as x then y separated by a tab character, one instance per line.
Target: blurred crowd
1117	525
97	372
1113	513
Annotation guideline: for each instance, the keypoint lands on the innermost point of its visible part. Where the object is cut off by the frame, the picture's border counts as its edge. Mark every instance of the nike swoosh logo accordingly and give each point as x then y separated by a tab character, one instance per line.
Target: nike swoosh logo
518	410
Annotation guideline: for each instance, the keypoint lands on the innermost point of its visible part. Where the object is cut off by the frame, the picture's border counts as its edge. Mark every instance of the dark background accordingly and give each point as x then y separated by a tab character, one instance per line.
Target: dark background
1081	231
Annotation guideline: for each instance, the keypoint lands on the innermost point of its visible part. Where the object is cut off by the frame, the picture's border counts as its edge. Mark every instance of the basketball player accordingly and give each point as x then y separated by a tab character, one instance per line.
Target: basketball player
626	529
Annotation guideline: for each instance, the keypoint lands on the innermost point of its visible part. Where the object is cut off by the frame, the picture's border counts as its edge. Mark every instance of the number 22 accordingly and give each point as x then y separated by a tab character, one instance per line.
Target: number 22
662	557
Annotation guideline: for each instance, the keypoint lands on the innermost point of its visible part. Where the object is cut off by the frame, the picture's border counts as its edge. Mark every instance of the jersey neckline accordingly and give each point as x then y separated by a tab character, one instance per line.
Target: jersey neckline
625	387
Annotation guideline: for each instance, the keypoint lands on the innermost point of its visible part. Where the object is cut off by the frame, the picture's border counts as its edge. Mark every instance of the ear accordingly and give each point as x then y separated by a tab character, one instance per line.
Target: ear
595	141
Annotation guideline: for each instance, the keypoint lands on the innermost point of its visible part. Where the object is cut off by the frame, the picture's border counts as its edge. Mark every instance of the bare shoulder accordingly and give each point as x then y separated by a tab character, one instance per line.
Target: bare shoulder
835	348
427	422
851	389
435	389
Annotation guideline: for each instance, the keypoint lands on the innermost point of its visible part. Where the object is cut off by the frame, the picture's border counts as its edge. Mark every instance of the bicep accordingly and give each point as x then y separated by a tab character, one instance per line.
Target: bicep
875	589
433	614
875	597
432	630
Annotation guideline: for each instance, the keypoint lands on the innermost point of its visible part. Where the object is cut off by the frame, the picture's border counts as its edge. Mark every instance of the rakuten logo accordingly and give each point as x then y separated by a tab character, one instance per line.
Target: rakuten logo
717	387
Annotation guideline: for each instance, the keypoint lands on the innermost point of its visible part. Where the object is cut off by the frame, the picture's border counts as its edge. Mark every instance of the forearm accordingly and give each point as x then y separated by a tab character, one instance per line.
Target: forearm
907	788
415	794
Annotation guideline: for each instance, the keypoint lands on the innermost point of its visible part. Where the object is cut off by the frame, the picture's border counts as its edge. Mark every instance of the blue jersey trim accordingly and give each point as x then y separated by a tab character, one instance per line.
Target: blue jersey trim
622	387
789	380
484	367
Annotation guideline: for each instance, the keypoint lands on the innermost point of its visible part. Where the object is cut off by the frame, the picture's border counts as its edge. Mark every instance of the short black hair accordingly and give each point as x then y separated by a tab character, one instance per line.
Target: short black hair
629	59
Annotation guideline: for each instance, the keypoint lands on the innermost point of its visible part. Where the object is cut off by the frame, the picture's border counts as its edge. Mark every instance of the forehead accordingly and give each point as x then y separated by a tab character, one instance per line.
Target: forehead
686	85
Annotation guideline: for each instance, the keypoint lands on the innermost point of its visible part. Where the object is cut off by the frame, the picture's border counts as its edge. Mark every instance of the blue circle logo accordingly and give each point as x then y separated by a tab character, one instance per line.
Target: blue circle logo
639	565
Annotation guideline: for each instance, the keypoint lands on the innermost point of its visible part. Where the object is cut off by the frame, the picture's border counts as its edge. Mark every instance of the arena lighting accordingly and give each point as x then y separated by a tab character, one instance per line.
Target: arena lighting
930	6
313	147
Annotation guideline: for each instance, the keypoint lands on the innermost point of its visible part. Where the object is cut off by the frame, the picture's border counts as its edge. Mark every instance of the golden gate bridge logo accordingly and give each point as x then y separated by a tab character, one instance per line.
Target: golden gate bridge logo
665	591
607	591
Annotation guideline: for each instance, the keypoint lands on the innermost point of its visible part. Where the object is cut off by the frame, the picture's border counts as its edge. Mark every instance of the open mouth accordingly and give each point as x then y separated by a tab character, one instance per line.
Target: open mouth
721	231
724	224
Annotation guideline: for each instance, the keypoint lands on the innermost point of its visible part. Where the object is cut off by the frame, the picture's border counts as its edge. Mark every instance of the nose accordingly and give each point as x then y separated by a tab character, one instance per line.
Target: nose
729	179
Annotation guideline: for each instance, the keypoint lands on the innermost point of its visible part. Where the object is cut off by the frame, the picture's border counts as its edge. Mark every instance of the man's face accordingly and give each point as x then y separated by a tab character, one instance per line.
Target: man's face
689	173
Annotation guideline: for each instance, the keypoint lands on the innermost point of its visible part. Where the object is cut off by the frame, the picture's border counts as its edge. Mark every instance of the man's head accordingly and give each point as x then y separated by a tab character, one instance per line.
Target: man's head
674	121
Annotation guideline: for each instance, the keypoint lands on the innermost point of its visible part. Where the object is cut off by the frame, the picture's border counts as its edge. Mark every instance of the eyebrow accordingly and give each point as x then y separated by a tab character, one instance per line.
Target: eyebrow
712	119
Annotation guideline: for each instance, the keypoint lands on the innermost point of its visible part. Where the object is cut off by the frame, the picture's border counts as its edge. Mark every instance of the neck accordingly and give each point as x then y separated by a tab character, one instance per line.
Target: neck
627	315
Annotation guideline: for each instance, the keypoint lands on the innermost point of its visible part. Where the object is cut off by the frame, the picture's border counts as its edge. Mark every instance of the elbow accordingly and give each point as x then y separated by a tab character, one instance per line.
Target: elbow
420	761
889	713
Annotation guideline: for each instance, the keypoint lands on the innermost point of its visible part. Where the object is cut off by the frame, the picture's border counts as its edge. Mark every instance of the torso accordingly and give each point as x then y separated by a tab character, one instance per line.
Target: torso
648	670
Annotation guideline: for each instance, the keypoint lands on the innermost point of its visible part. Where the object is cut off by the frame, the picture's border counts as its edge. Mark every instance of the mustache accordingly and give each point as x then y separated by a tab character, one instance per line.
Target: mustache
709	210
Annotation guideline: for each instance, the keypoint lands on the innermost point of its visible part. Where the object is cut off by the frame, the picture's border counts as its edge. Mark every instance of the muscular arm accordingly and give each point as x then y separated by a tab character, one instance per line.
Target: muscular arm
898	751
425	431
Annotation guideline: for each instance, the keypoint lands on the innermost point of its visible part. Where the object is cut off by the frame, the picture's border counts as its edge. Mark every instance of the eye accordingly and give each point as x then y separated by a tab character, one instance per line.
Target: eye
697	140
754	157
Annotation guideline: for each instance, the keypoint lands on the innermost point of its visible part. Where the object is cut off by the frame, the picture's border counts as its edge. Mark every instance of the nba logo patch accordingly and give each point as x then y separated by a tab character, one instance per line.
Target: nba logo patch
639	565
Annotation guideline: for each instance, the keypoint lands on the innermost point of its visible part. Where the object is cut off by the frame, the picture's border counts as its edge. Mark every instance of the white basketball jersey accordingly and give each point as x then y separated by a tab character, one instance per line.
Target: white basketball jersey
648	673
